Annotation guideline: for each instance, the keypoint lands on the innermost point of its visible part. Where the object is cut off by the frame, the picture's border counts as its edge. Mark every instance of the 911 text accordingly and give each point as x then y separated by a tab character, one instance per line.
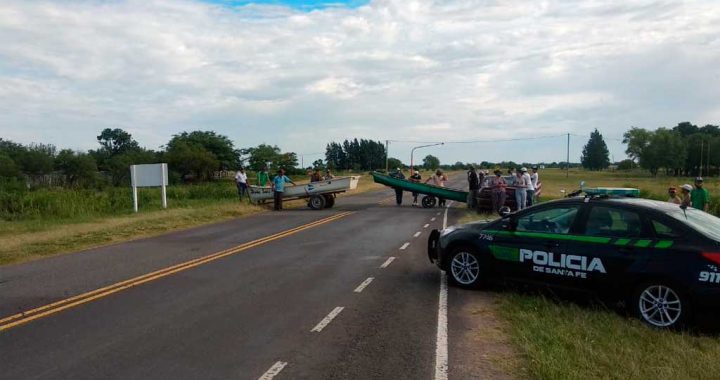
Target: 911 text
709	277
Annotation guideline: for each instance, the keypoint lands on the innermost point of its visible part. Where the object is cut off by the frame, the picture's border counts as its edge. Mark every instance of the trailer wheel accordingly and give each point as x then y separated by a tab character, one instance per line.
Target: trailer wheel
317	202
329	201
429	201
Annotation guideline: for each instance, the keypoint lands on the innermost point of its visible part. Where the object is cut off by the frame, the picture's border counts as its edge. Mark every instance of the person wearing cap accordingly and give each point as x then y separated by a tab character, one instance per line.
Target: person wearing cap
398	191
686	199
497	185
700	196
415	177
328	175
534	178
674	197
473	186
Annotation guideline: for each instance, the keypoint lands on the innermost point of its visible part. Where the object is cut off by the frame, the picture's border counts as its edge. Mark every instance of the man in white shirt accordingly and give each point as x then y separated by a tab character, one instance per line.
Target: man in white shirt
241	182
534	178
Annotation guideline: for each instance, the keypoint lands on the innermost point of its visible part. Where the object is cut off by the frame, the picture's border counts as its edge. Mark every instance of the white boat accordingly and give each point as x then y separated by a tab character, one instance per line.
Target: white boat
321	194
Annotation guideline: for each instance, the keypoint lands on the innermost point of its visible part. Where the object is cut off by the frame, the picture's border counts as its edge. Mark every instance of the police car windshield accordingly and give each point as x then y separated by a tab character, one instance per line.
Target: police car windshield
700	221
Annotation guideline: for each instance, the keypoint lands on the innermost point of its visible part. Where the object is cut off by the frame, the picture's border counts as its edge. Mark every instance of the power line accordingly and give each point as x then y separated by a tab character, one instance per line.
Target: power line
482	141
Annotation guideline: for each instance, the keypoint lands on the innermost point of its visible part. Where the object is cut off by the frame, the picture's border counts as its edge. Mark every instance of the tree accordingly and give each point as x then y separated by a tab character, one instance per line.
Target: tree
37	159
116	141
191	161
221	147
636	139
686	129
318	164
666	149
595	154
431	162
8	168
394	163
626	165
79	168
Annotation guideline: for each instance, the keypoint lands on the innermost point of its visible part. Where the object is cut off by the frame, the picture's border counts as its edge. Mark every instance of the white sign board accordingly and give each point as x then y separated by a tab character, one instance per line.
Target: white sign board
149	175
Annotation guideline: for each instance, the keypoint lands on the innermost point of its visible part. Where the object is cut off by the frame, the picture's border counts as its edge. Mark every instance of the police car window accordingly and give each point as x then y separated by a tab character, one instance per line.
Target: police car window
706	224
555	220
607	221
663	231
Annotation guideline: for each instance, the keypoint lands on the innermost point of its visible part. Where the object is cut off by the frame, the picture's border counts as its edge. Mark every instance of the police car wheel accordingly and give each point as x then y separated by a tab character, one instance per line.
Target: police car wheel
660	305
464	268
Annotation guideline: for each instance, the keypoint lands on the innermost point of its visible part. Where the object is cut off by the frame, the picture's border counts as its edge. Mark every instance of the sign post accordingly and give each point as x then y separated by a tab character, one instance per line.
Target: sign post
149	175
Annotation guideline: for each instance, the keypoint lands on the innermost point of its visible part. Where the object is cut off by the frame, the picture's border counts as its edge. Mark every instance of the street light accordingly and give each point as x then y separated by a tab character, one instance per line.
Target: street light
418	147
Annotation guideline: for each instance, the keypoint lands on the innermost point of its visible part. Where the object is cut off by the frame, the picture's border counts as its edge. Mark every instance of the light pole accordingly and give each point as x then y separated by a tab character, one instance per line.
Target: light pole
418	147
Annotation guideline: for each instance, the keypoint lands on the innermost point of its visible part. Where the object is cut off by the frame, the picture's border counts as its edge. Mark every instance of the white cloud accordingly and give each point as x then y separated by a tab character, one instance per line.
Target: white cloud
394	69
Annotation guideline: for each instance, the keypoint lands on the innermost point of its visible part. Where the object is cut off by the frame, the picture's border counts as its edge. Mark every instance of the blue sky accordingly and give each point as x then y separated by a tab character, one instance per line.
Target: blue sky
305	75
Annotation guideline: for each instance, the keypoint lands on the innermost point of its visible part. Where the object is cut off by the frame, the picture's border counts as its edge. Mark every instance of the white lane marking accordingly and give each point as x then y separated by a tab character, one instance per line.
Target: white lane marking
326	321
417	234
432	219
445	219
404	246
426	226
387	262
441	347
273	371
364	284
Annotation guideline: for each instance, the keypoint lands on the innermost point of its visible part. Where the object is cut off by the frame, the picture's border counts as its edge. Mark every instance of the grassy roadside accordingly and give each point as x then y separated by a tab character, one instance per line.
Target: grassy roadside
561	340
32	239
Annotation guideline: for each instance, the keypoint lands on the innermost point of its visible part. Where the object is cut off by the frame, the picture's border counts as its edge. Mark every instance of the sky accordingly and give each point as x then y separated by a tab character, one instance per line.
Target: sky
299	74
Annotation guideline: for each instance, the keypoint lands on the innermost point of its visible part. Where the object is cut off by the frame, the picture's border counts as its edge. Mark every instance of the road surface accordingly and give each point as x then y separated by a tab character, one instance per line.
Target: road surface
345	293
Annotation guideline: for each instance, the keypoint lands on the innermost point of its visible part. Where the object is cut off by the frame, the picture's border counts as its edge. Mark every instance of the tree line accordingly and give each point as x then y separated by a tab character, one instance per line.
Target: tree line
191	156
683	150
355	155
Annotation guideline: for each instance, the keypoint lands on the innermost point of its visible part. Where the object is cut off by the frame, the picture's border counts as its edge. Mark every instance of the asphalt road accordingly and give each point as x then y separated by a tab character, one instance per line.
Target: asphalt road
298	305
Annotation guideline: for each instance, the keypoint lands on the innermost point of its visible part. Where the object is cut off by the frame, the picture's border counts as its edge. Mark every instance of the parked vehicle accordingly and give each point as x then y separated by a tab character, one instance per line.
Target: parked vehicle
662	260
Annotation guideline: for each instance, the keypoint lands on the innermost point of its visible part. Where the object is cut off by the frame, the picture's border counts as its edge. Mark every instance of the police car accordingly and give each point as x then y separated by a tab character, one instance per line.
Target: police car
659	258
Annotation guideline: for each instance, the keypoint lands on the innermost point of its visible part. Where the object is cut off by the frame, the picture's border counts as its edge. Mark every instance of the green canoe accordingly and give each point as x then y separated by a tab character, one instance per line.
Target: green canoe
421	188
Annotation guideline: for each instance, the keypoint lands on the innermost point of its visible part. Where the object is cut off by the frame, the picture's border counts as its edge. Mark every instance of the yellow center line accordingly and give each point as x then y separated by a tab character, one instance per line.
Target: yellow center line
55	307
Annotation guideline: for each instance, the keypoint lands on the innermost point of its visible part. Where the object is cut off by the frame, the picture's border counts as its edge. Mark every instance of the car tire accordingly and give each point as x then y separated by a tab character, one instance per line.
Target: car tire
317	202
465	268
660	304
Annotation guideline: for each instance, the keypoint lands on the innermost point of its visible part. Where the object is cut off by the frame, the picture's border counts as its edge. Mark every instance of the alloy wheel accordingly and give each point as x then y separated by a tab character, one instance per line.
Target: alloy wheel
465	268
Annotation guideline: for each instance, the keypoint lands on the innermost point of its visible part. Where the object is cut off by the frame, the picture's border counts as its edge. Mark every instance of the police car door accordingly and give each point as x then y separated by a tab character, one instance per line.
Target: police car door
533	247
614	241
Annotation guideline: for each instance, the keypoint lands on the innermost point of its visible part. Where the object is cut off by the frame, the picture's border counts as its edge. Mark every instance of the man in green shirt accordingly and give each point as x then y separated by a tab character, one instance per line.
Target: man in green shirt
700	196
262	177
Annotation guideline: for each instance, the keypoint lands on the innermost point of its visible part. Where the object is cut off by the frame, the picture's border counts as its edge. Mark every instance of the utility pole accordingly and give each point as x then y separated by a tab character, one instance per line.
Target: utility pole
701	157
567	163
708	159
387	155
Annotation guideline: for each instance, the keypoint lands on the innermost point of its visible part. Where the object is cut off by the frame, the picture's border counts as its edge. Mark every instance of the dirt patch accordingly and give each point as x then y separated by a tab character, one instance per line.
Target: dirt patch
480	346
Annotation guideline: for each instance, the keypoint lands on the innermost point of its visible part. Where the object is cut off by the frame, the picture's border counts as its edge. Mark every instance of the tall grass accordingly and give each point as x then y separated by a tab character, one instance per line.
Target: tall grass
23	204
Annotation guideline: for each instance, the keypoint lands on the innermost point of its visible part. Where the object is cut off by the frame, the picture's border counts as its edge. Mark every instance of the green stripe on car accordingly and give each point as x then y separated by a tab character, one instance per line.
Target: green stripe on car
664	244
643	243
541	235
505	253
622	241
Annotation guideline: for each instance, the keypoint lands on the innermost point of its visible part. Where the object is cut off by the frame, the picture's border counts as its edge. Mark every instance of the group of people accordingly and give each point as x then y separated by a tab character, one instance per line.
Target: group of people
315	175
697	197
278	184
438	179
523	182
